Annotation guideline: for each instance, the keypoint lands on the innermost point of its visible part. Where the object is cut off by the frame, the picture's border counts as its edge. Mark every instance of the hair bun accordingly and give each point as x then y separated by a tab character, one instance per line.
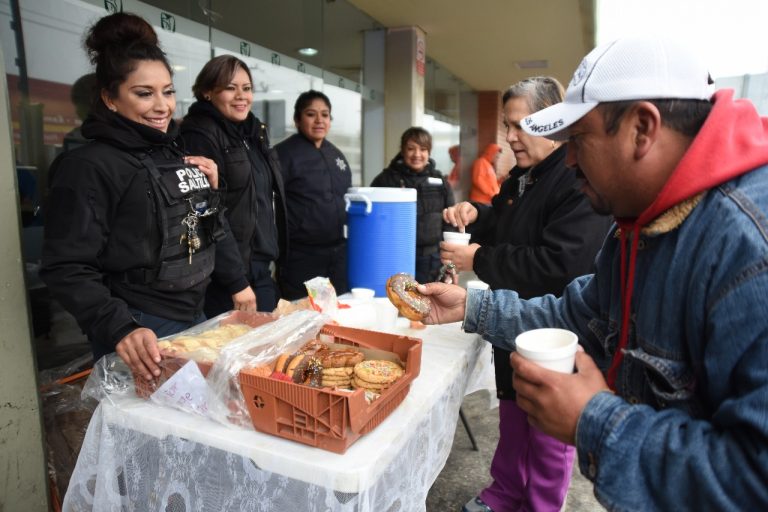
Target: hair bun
118	30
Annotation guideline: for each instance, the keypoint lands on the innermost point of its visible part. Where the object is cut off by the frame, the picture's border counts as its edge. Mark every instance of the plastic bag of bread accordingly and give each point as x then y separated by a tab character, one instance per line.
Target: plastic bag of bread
202	364
285	307
256	350
204	341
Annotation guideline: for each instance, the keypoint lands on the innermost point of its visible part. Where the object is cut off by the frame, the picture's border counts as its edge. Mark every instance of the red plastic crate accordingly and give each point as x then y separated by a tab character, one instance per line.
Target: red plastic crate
331	420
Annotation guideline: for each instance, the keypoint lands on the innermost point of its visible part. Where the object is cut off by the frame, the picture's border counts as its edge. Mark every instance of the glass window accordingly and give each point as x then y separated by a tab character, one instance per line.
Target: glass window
51	99
346	128
444	135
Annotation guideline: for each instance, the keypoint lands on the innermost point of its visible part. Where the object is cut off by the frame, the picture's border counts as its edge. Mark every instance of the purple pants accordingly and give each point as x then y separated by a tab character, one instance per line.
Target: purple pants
531	471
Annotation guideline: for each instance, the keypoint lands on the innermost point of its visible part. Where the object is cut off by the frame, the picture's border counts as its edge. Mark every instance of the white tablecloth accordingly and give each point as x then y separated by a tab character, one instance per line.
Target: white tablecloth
141	456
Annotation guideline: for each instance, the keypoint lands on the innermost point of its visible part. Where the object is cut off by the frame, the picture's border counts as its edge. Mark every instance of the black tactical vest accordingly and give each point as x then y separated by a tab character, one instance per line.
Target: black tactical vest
189	217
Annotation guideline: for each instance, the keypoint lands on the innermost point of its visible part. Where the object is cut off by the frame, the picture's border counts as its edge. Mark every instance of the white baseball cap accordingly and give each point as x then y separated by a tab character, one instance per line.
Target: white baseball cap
626	69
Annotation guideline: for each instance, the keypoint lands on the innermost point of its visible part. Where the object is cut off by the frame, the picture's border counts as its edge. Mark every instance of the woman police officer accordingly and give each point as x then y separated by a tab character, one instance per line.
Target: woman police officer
135	230
221	126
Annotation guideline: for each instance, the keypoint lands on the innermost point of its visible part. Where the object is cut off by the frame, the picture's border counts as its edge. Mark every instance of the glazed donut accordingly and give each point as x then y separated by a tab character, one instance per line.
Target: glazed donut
280	363
401	290
308	371
293	363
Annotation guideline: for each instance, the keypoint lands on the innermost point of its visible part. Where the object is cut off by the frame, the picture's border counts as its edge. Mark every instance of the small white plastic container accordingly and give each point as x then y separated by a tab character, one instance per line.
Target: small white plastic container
362	293
361	313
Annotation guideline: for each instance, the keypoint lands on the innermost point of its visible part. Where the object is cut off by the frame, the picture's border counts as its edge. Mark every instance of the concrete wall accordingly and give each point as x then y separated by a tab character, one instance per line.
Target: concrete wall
23	485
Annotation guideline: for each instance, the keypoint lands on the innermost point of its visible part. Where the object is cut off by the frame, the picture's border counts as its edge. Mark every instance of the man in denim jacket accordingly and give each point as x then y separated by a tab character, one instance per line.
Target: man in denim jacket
668	407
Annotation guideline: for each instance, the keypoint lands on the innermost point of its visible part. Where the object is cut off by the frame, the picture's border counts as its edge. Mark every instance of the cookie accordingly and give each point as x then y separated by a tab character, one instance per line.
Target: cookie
378	371
378	387
345	380
346	371
336	383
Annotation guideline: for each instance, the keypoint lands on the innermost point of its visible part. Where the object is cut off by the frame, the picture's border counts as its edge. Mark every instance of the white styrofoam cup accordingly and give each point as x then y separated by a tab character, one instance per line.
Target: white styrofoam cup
554	349
453	237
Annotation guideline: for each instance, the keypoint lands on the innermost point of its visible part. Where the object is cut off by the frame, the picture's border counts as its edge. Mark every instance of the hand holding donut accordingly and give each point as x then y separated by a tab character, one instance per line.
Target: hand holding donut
447	302
402	292
207	167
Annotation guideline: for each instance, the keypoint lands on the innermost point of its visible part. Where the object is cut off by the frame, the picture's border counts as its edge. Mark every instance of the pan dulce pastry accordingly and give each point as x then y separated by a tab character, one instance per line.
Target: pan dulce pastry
401	290
341	358
288	362
305	365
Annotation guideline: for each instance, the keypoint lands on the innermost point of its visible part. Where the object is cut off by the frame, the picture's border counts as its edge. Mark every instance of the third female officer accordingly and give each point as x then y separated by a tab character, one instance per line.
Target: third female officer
316	176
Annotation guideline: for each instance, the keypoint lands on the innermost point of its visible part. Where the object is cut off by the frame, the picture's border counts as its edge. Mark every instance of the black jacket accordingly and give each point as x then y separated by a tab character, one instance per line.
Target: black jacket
538	242
315	180
249	174
433	194
103	225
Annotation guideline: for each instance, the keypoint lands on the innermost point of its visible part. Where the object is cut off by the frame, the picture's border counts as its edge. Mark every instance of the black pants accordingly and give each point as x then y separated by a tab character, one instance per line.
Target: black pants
305	262
218	300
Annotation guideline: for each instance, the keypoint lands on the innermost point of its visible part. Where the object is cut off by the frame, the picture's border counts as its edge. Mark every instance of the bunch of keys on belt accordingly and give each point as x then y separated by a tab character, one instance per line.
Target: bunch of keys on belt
191	237
448	274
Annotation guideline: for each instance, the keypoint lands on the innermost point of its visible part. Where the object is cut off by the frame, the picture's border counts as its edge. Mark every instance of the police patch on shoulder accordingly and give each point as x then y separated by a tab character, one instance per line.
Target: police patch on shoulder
341	164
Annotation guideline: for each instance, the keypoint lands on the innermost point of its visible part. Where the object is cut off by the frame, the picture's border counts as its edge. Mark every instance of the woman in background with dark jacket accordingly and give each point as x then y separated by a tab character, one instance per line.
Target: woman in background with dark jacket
221	126
316	177
413	168
134	229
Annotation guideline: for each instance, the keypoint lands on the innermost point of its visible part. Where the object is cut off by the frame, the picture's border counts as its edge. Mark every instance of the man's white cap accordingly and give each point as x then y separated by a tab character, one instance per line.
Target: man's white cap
625	69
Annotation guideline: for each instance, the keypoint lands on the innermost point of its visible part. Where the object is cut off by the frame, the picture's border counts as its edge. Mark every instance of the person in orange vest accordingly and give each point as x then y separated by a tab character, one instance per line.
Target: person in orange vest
484	182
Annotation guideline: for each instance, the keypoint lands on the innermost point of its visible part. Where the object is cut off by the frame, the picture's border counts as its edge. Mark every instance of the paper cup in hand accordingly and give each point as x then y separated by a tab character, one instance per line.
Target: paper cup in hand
456	238
553	349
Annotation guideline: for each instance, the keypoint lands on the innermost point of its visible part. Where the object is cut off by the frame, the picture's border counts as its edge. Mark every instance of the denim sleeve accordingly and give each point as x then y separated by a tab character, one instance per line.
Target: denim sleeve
640	458
500	315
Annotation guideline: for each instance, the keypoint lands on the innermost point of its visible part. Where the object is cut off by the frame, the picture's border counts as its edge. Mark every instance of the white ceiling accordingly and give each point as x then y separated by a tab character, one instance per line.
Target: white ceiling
481	41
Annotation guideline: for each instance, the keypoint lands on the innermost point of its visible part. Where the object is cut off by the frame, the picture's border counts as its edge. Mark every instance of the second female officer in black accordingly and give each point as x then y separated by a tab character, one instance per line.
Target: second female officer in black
220	126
